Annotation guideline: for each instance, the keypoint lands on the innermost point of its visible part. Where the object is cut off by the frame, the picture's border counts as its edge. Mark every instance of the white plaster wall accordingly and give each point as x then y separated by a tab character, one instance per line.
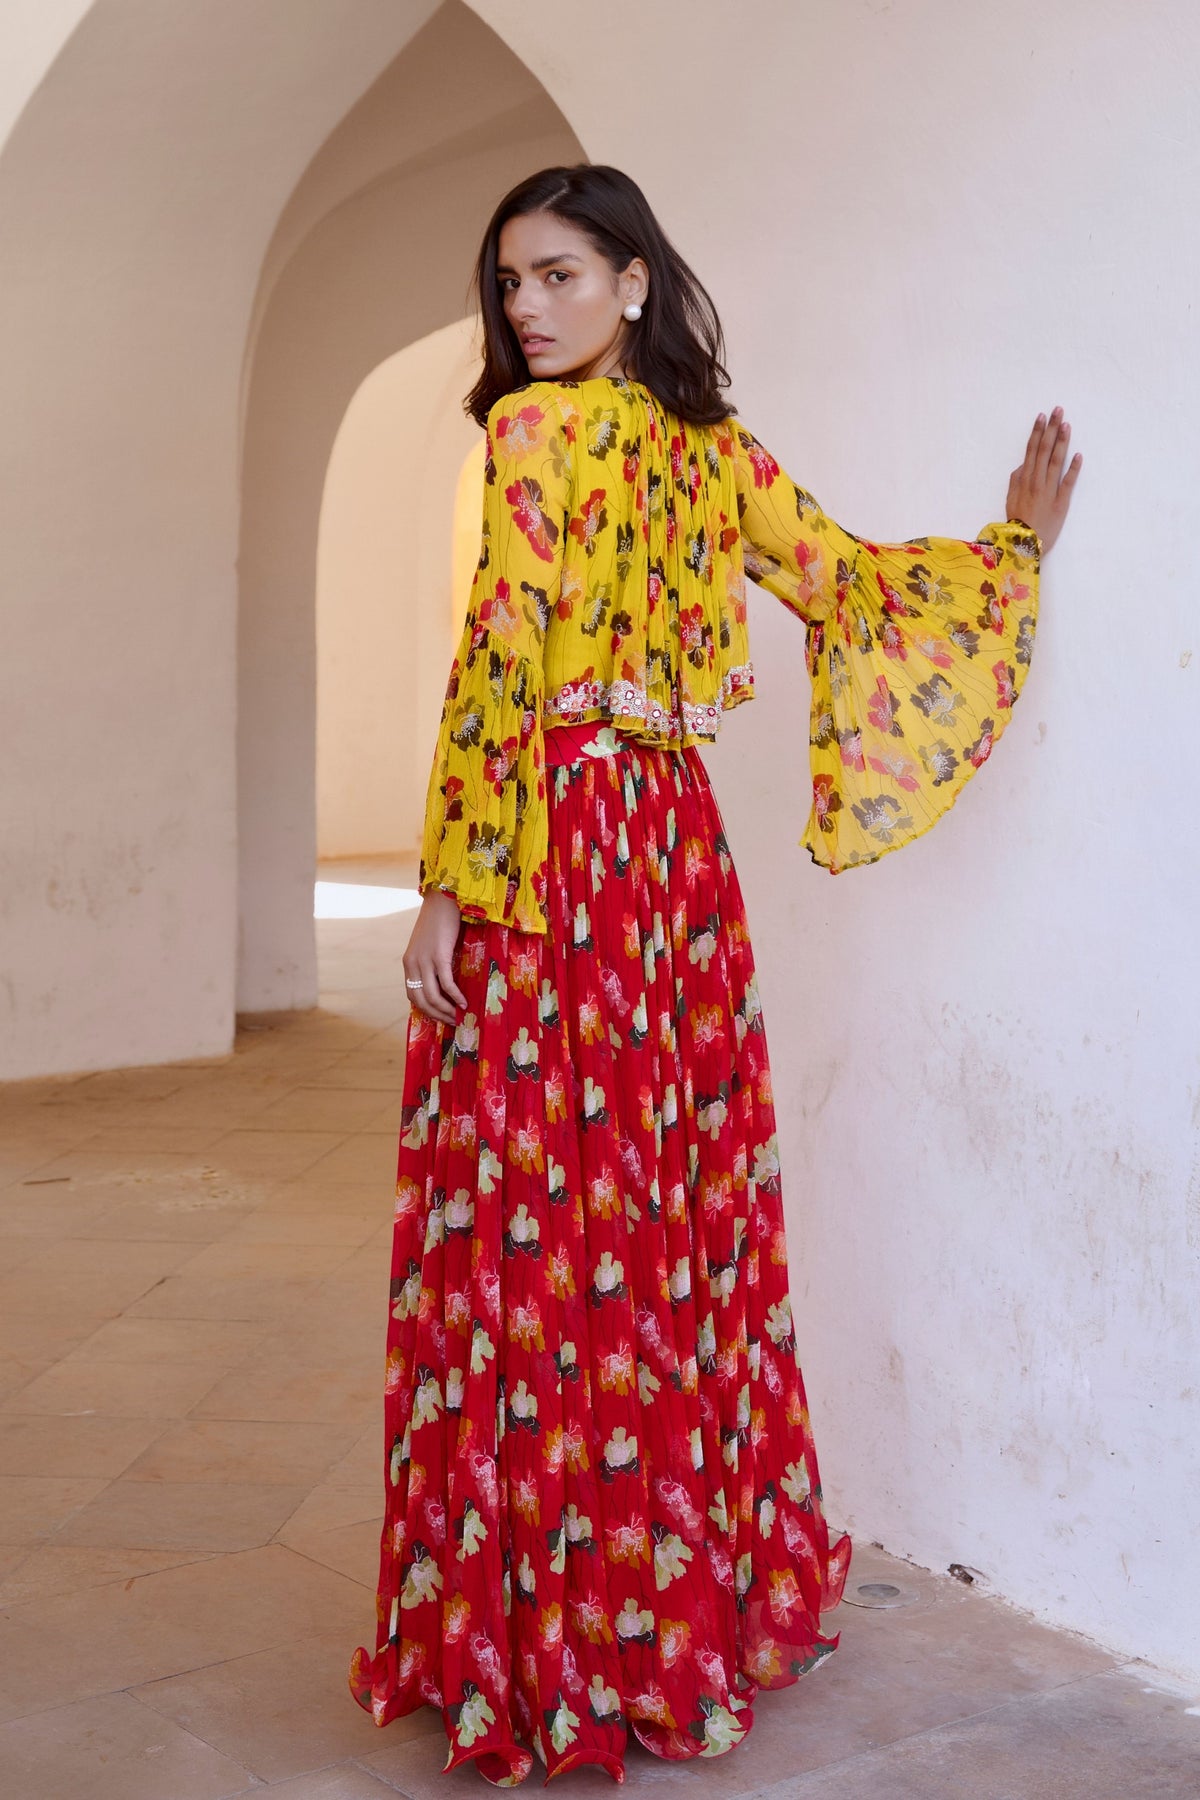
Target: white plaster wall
922	223
138	190
385	567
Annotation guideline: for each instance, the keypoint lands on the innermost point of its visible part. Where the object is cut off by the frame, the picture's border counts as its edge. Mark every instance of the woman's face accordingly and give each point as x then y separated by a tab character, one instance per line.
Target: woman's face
563	300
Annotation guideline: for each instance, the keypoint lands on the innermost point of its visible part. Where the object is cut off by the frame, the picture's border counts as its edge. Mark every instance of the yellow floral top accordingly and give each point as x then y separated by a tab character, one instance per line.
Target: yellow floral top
611	585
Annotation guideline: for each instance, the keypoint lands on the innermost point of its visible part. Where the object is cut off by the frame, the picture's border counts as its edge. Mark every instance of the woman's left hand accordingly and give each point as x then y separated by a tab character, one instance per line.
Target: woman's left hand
429	958
1039	493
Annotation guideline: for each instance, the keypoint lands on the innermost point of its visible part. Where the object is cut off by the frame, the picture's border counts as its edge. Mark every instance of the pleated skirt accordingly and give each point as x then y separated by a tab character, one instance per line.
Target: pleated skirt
603	1505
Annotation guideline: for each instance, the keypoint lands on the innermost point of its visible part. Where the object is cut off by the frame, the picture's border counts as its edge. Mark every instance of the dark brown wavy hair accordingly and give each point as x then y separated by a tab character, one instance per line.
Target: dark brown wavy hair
676	346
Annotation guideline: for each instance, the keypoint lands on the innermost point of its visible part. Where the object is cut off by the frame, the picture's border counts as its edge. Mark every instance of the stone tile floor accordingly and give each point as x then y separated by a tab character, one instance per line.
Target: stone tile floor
193	1274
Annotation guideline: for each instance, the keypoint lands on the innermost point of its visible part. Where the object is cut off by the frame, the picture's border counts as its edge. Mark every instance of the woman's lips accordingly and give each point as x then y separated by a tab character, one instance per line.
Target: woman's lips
534	344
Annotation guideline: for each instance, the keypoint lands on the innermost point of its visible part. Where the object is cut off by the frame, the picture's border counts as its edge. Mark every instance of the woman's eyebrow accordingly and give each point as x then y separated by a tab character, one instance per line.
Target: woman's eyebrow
543	262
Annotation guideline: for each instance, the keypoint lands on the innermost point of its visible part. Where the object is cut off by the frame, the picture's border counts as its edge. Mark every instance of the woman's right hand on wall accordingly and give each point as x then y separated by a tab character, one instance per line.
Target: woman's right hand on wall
1039	493
429	958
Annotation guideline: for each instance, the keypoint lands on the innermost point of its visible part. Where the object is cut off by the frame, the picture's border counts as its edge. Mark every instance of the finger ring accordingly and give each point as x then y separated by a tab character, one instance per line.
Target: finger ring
413	984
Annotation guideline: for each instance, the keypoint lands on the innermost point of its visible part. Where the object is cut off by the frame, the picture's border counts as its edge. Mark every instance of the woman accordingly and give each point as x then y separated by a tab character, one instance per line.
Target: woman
603	1501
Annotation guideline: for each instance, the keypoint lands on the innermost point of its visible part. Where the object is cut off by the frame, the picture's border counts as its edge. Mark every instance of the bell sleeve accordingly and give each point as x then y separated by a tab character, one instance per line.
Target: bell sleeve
916	652
485	834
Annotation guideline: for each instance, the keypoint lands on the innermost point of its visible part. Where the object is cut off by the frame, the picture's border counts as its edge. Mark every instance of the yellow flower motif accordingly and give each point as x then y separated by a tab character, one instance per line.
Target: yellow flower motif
671	1556
779	1321
609	1274
621	1450
721	1730
421	1583
427	1401
474	1718
482	1350
796	1484
604	1702
522	1404
631	1622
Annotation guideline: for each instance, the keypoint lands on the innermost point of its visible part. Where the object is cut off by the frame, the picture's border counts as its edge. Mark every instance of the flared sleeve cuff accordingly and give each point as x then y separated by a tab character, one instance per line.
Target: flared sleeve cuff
915	671
486	832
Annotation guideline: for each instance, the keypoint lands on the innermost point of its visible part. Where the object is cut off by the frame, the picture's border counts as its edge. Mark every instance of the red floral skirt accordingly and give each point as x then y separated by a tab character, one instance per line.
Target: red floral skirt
603	1508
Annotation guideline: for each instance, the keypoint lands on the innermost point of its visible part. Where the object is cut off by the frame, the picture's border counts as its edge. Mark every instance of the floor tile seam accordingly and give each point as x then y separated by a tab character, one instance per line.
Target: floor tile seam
191	1418
356	1762
139	1362
391	1786
39	1710
105	1481
280	1130
113	1418
93	1587
83	1237
1036	1696
254	1783
368	1587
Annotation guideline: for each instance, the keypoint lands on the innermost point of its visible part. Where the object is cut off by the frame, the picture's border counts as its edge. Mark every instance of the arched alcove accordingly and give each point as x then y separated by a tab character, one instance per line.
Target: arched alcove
177	353
389	586
380	236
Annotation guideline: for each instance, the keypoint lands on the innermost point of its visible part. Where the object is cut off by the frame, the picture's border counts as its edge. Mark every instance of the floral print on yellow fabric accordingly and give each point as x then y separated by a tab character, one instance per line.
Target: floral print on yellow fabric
611	586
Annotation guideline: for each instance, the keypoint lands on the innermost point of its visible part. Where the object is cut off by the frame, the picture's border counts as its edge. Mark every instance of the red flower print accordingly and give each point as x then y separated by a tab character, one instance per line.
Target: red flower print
891	599
988	553
826	800
992	616
936	649
525	498
498	611
804	553
852	749
761	461
902	769
882	707
981	749
498	762
519	431
1006	691
891	642
693	481
691	628
592	518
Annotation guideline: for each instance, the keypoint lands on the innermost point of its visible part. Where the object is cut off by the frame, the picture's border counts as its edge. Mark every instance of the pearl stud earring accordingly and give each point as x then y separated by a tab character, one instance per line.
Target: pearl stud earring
633	310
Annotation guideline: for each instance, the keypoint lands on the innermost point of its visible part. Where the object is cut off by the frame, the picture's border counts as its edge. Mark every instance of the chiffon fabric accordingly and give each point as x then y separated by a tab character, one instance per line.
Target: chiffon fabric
617	539
603	1505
